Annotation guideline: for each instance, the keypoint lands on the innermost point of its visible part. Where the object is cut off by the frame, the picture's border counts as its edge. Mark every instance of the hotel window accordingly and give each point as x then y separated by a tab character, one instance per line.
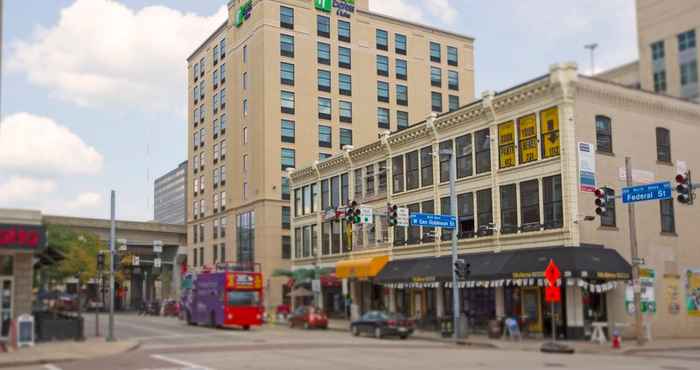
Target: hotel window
285	218
382	40
288	158
668	219
412	175
453	80
287	45
345	112
686	40
324	53
383	91
245	80
223	206
436	101
463	150
324	108
195	95
222	96
245	135
286	247
401	120
657	51
287	74
382	65
245	162
660	81
435	53
401	69
222	144
344	59
381	177
287	101
663	145
445	160
195	71
245	54
285	188
286	17
201	66
358	183
383	118
484	212
324	80
324	137
482	143
397	172
201	136
343	31
324	156
222	73
465	213
222	48
323	26
369	180
288	134
552	202
245	107
509	209
345	84
603	133
452	56
222	124
609	217
689	75
426	166
400	42
530	205
223	174
435	77
215	78
245	190
216	153
195	139
215	103
402	95
453	102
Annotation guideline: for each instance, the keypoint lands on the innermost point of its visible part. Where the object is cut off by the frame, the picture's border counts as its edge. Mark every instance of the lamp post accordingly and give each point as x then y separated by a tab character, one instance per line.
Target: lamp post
81	332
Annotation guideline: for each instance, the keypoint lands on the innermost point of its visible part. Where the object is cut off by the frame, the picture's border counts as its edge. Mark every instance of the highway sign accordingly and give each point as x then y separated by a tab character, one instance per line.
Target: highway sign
402	216
366	214
431	220
655	191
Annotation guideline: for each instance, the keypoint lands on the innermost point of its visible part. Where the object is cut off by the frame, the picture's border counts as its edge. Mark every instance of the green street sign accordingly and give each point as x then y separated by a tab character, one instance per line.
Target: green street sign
324	5
243	12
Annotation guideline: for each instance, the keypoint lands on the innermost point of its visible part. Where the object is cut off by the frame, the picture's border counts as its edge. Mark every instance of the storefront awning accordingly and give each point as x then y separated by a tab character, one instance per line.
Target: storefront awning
360	268
581	262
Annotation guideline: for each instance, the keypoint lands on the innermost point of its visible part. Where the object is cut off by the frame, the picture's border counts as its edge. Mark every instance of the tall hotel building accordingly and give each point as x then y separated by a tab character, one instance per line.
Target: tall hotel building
286	82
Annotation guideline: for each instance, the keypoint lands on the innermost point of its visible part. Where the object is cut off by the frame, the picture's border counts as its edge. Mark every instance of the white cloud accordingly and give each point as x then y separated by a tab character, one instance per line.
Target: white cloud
34	144
397	8
442	10
102	53
84	200
20	189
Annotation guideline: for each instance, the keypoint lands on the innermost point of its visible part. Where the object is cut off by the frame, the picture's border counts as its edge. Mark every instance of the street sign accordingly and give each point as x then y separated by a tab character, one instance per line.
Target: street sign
156	263
157	246
431	220
316	285
552	273
655	191
121	243
402	218
136	260
552	294
366	215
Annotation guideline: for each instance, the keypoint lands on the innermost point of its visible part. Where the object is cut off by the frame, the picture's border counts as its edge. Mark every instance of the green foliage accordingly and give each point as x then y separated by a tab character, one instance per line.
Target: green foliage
302	275
80	250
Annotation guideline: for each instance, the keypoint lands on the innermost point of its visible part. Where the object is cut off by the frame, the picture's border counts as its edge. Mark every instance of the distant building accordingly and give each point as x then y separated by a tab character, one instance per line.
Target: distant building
170	197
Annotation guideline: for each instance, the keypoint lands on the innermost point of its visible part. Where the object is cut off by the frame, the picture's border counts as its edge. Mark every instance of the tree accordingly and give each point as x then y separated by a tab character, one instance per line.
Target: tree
80	250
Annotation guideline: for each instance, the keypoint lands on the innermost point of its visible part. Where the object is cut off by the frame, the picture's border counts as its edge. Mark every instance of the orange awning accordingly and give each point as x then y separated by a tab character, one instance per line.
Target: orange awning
360	268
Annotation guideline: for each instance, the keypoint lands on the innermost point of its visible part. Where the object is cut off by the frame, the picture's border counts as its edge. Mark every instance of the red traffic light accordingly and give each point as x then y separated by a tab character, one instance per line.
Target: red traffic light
599	193
681	178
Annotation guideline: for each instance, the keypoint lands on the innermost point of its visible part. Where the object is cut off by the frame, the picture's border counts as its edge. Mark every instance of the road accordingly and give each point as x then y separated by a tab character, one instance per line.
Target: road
168	344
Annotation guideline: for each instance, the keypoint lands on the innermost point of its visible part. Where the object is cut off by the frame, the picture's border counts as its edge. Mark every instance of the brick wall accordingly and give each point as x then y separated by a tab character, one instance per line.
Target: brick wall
23	284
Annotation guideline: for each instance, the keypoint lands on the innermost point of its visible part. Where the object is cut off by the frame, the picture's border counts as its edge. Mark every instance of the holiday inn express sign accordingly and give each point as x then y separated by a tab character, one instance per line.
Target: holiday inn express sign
344	7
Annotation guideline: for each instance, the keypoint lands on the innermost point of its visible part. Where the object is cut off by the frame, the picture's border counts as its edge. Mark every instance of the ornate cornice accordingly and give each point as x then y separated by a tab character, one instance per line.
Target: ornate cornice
367	151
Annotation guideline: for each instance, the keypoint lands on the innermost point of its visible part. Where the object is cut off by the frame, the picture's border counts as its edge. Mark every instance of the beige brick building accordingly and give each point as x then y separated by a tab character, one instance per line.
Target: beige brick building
286	82
521	202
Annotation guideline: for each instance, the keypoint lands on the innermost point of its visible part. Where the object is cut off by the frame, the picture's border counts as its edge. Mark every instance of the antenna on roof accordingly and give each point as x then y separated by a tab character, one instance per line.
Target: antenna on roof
592	48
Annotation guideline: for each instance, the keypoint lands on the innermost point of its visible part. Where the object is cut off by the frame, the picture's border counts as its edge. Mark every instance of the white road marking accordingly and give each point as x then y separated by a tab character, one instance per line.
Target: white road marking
51	367
175	361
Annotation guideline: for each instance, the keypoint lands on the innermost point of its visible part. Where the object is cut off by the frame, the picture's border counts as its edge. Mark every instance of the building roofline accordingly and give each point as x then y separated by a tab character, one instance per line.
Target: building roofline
646	92
416	24
618	68
214	34
121	224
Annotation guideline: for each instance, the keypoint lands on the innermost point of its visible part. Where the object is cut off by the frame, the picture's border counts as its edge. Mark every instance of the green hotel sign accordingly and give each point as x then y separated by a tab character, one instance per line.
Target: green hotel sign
243	12
343	7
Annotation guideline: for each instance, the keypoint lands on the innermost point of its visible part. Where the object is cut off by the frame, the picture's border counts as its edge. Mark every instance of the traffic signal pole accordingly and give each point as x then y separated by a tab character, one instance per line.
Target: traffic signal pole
634	254
112	256
453	210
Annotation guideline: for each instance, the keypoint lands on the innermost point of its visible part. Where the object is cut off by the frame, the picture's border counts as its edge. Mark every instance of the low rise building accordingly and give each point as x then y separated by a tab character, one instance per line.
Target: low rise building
528	159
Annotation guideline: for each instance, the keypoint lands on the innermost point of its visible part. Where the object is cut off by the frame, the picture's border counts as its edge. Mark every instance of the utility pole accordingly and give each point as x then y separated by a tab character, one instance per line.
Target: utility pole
112	255
634	254
453	211
591	48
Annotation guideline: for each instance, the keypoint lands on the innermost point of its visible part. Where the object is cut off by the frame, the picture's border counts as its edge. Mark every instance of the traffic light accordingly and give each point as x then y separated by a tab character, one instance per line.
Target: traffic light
352	213
684	188
392	214
100	261
601	201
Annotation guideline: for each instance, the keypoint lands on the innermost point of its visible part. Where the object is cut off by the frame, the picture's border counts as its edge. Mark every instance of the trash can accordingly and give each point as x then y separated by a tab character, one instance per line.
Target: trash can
446	327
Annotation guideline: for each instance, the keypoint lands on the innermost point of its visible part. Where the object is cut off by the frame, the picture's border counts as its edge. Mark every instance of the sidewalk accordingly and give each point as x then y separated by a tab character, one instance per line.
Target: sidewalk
55	352
628	347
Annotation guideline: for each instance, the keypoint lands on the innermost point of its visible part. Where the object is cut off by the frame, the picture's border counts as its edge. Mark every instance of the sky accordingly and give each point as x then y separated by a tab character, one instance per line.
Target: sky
94	91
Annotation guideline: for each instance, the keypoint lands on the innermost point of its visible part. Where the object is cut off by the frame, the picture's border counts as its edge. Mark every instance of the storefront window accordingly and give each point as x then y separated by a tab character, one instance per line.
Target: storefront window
6	263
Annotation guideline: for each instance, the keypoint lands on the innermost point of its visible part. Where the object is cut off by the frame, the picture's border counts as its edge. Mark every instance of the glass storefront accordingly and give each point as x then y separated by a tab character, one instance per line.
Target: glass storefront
6	279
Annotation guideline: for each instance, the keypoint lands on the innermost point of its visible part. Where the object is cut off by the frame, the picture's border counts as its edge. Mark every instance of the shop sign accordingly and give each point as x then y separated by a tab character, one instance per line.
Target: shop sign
527	131
612	275
647	277
506	144
549	128
243	12
423	279
344	8
586	167
692	291
22	237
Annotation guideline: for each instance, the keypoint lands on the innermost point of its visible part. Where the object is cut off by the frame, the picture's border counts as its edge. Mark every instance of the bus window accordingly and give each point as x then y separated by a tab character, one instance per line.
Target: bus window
238	298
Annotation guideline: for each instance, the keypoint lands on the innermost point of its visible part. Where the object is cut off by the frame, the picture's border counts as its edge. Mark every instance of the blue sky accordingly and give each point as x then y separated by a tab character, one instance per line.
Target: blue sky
94	90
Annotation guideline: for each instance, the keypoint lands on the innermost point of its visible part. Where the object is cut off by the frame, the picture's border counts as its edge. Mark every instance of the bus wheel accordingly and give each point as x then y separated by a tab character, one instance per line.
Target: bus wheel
246	327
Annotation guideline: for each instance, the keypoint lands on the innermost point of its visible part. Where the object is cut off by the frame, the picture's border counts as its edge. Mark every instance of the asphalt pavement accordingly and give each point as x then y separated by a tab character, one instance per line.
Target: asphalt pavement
169	344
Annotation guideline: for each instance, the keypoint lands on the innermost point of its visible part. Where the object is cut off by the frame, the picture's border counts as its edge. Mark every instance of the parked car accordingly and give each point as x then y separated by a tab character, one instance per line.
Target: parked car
382	324
308	317
95	305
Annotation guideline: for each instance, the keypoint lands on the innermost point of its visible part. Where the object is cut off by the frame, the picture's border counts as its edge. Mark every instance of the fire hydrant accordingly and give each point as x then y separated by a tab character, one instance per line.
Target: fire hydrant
616	339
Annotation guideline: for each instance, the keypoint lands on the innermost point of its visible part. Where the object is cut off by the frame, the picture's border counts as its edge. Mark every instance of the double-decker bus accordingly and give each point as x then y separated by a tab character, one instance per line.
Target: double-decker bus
227	295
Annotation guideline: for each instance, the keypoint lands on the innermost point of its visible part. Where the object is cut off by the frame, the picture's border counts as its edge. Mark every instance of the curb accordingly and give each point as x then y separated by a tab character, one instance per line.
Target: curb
45	361
632	351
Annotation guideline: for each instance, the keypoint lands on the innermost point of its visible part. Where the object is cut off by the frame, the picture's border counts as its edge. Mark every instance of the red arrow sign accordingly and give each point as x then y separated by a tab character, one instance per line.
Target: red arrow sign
552	273
552	294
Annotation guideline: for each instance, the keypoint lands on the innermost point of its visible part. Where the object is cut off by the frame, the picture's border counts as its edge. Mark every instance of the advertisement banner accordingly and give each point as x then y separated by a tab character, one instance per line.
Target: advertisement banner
672	293
647	277
549	127
527	136
586	167
506	144
692	291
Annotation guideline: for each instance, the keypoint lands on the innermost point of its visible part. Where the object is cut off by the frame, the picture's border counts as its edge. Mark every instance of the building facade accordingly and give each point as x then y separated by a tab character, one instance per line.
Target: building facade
170	196
285	82
521	201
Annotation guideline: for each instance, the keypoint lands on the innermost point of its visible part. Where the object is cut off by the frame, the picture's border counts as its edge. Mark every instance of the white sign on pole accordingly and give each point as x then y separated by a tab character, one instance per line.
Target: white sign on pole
316	285
121	243
366	215
402	218
586	167
156	263
638	176
136	261
157	246
681	167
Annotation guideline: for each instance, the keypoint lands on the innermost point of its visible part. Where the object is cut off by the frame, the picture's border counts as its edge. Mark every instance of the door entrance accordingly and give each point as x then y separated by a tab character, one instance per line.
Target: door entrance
6	306
532	312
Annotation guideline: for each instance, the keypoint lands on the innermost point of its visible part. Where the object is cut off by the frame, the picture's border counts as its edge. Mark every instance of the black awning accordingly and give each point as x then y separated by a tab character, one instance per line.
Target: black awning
580	262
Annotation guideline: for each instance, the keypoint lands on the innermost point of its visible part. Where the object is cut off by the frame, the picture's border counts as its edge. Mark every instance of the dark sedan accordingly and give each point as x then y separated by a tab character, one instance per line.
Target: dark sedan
382	324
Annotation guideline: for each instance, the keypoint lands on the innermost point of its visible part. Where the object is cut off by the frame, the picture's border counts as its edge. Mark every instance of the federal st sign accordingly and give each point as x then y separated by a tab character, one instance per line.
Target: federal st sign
655	191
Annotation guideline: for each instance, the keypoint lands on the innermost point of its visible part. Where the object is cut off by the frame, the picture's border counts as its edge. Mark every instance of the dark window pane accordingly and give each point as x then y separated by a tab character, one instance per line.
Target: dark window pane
530	205
552	202
426	166
663	144
397	172
603	130
509	209
412	179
